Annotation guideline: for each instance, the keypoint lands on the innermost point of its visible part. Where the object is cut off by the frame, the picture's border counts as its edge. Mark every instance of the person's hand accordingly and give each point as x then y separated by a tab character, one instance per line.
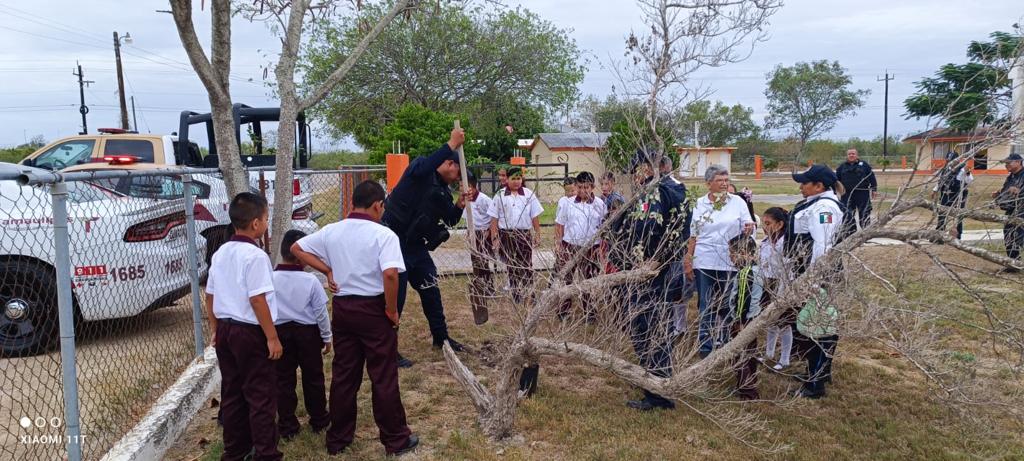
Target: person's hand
495	243
331	284
392	316
457	138
463	200
688	268
327	348
874	195
213	338
1013	190
995	194
933	195
274	346
535	238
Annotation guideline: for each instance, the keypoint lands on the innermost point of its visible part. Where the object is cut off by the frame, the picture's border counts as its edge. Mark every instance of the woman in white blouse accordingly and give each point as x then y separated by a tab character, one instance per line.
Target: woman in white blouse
717	218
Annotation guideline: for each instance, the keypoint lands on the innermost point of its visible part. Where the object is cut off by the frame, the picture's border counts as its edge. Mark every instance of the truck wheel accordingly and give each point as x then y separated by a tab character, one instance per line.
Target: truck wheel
28	308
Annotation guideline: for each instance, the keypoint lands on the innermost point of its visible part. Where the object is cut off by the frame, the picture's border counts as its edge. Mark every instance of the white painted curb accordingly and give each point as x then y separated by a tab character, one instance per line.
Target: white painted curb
170	416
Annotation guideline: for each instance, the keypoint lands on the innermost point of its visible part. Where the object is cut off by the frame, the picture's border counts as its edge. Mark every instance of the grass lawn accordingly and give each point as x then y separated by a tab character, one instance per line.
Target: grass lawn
880	407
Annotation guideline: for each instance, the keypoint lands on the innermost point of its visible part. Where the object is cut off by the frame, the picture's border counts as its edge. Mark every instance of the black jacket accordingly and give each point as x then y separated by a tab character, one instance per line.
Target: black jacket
660	225
857	176
1011	203
421	203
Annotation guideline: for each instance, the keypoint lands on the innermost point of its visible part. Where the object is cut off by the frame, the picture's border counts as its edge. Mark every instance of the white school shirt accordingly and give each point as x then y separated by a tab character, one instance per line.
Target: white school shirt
822	221
479	208
240	270
714	228
515	210
771	259
580	219
965	177
300	298
358	251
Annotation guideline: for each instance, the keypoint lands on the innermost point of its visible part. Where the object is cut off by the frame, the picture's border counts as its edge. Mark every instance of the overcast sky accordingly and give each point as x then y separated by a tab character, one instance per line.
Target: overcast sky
44	39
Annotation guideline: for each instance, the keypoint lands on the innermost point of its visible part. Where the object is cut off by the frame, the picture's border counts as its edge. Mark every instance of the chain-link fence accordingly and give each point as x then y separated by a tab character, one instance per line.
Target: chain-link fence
98	272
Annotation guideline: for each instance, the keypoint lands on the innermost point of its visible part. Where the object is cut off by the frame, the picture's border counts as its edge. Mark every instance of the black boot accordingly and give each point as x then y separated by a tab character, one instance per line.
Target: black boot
528	380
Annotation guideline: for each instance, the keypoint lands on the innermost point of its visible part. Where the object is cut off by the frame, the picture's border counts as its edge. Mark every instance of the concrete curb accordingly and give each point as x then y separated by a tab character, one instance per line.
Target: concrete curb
170	416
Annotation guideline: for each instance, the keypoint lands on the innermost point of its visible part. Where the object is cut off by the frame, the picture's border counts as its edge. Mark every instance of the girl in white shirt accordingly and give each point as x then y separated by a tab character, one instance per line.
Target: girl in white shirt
773	267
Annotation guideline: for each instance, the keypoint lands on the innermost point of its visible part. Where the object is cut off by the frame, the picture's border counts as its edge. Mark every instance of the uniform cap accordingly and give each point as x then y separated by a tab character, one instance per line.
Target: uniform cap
817	173
1014	156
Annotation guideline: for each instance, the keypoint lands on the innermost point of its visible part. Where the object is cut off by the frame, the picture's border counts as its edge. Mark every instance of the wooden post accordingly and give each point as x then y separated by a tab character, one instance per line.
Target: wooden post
470	230
758	165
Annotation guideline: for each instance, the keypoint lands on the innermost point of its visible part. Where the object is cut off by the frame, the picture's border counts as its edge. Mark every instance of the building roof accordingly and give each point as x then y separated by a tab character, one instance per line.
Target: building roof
947	134
689	149
574	141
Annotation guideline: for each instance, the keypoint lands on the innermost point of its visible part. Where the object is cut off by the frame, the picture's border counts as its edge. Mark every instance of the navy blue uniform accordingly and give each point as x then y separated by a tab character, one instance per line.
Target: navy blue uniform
417	210
1013	236
659	226
859	181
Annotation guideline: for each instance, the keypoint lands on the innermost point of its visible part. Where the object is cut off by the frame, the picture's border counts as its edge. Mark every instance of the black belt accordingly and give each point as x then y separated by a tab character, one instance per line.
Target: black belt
380	296
231	321
291	324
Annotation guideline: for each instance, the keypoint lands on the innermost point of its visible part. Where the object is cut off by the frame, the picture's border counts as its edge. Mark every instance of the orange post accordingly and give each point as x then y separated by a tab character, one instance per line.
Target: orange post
758	165
521	161
395	165
903	162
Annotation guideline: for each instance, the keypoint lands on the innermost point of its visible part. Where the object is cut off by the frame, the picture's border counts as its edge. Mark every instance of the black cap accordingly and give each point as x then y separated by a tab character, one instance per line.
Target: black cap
641	157
817	173
1014	156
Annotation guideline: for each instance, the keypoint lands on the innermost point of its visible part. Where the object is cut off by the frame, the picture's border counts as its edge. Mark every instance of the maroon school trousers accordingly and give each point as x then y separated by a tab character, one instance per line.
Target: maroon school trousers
302	349
517	251
587	268
248	391
482	288
364	335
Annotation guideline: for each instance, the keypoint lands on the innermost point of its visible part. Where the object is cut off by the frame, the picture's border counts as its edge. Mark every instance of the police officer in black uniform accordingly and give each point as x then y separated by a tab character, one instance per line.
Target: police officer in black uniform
861	185
419	210
952	192
1008	198
660	226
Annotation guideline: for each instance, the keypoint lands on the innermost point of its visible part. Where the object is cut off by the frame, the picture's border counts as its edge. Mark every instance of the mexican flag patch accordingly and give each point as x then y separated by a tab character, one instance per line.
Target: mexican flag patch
825	217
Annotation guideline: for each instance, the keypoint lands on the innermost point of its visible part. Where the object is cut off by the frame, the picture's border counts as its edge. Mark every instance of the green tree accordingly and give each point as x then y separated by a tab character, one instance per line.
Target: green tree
421	131
969	95
807	99
720	125
500	66
627	138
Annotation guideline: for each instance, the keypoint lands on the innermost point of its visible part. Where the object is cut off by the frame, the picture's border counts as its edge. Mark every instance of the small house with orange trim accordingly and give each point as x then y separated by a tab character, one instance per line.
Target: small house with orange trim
580	151
933	146
694	161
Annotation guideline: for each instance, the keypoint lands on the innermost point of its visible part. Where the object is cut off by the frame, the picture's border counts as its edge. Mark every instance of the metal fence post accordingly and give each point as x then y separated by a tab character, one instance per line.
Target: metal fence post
193	263
66	318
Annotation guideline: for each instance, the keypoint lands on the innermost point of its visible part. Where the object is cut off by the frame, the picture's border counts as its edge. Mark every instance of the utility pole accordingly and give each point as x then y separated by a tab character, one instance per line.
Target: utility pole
135	121
885	116
120	78
82	108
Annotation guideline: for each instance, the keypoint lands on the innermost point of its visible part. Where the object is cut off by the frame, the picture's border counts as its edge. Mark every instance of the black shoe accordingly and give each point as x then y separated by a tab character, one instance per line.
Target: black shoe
404	362
810	395
647	405
338	451
455	345
528	380
410	445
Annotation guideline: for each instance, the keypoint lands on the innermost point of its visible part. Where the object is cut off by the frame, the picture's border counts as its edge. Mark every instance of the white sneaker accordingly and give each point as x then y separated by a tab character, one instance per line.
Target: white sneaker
779	367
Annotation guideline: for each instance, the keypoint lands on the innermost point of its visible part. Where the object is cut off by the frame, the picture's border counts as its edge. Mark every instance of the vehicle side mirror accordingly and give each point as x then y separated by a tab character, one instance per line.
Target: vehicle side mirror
29	162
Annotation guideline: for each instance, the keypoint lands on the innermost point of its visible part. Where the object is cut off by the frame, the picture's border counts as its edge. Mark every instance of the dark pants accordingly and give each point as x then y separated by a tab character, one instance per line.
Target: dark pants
363	335
517	251
819	363
858	205
955	201
248	391
651	332
422	274
712	308
481	289
302	345
1013	238
588	267
746	367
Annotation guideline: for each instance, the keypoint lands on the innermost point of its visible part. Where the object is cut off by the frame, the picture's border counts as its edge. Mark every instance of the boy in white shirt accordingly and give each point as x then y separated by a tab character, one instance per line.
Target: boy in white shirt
576	223
514	212
482	286
362	260
239	294
304	329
